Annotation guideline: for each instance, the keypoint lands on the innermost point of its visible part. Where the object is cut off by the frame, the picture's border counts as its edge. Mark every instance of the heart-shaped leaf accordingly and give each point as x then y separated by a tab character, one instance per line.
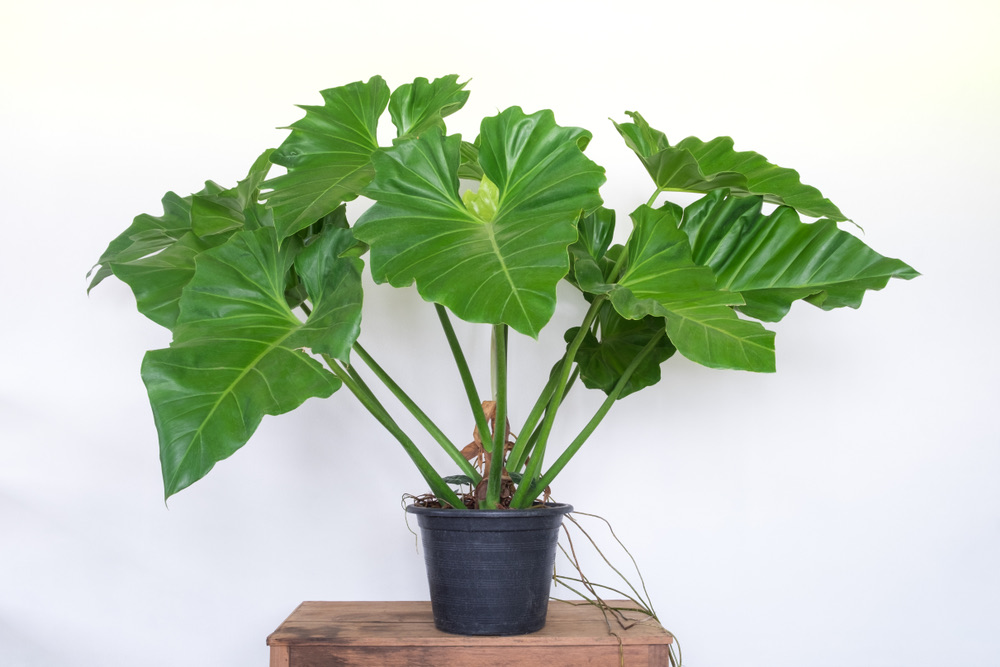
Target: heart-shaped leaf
497	256
238	348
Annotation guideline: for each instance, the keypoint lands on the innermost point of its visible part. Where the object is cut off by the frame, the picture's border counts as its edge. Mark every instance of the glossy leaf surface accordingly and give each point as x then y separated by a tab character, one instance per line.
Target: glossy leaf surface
698	166
416	107
150	234
772	260
662	279
238	349
497	260
236	208
604	358
160	259
328	155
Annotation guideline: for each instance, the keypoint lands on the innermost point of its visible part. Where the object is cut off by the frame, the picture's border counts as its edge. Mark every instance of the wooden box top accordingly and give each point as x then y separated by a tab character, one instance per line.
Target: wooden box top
411	624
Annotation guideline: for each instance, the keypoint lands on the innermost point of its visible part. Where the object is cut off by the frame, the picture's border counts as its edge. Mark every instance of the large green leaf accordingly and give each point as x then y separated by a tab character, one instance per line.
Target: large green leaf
497	255
418	106
328	155
603	358
662	279
238	349
697	166
157	280
158	260
772	260
149	234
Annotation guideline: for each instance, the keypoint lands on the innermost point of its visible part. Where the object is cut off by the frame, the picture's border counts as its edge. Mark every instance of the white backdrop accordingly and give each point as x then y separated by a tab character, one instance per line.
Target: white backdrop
842	511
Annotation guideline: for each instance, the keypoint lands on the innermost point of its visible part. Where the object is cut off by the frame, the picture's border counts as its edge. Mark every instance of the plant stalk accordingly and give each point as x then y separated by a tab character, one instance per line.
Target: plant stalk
524	445
522	498
499	354
574	446
463	369
371	403
435	432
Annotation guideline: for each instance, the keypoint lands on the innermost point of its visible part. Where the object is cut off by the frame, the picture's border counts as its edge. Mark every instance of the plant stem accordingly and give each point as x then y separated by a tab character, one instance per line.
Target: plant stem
463	369
521	496
447	445
529	434
574	446
656	194
525	439
368	400
499	354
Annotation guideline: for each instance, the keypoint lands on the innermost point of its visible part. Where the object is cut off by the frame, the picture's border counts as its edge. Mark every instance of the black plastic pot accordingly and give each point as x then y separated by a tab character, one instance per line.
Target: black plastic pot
490	571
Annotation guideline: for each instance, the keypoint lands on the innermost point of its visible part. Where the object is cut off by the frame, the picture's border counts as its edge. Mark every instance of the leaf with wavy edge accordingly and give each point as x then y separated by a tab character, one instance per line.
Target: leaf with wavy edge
155	256
418	106
772	260
236	208
238	349
501	270
149	234
158	280
697	166
327	154
663	280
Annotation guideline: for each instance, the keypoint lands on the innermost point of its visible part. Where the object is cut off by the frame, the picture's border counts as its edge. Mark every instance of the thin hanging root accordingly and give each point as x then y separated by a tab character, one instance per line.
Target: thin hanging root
617	613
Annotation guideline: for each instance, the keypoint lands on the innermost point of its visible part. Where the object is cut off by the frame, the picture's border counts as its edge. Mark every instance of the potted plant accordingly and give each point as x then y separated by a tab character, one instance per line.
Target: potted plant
261	287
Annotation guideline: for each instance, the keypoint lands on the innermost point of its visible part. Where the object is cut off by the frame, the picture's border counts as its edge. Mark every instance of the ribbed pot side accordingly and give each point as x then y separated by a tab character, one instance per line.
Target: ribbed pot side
489	571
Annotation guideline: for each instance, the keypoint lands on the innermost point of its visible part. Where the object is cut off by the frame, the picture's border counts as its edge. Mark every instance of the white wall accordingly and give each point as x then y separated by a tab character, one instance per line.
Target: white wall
842	511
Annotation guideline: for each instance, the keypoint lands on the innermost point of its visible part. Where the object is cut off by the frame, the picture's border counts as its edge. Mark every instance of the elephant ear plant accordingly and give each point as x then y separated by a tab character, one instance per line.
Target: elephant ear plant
260	284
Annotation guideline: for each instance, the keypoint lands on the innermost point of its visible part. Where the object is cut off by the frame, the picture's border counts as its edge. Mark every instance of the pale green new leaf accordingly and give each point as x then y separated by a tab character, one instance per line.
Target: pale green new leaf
328	155
662	279
499	261
469	168
772	260
418	106
697	166
238	349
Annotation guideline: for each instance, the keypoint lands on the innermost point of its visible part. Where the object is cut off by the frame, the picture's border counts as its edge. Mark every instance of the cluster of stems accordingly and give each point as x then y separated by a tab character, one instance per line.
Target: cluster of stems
527	457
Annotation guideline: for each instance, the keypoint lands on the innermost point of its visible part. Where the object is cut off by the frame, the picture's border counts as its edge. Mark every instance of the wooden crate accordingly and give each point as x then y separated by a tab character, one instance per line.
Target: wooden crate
402	634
